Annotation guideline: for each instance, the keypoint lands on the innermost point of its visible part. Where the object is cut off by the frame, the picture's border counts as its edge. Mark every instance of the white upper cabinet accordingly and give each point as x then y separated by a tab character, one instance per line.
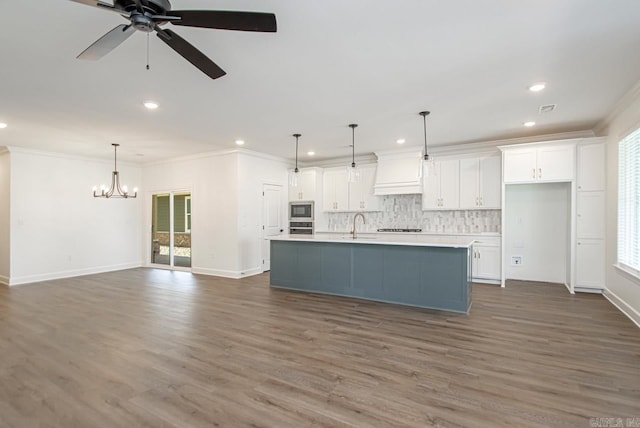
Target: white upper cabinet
591	165
480	183
309	186
539	163
361	197
340	195
336	189
441	188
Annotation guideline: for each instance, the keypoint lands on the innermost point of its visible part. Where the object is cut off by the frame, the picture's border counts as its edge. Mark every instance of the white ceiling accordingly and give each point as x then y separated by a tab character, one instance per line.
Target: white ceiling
332	62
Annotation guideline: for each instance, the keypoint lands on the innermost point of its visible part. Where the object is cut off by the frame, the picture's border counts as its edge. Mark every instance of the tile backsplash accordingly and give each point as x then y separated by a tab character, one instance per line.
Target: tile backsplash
405	212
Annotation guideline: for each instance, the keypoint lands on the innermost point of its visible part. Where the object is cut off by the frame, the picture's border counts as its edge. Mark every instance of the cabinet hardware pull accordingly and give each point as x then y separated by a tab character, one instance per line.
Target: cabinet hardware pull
481	203
477	201
534	172
579	243
539	172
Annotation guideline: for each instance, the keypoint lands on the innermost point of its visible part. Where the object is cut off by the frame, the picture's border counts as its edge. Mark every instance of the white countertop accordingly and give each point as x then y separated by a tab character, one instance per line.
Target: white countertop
417	240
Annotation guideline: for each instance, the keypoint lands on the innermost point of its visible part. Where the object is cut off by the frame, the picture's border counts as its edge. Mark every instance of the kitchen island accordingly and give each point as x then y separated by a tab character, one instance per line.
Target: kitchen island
423	271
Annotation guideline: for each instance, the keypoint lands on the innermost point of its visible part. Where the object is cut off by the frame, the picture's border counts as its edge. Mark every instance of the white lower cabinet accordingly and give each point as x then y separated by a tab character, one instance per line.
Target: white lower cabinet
590	264
486	262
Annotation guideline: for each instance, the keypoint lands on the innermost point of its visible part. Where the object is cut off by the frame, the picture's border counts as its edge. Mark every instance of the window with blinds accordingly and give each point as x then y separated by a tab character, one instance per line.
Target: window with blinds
629	203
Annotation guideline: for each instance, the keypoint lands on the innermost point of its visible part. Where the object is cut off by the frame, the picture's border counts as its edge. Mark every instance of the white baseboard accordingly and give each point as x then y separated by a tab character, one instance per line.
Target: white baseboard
588	290
4	280
486	281
71	273
623	306
233	274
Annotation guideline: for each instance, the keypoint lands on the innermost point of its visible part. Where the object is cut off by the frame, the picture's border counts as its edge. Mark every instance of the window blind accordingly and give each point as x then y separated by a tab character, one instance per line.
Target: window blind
629	202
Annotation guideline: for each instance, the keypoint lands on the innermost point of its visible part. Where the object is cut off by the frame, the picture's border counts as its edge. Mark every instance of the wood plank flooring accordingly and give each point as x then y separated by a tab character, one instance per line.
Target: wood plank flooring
156	348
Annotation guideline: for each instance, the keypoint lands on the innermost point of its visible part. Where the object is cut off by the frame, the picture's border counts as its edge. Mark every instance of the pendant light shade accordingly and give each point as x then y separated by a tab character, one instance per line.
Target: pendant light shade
293	175
428	164
115	191
353	173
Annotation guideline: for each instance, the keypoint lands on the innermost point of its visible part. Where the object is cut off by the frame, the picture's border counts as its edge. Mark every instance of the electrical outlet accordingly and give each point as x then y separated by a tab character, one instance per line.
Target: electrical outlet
516	260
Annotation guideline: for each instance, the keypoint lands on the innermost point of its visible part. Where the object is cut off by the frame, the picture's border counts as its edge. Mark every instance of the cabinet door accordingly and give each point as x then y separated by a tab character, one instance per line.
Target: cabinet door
449	184
431	188
487	260
590	263
295	193
361	197
469	183
490	182
590	216
307	185
556	163
519	165
335	190
591	165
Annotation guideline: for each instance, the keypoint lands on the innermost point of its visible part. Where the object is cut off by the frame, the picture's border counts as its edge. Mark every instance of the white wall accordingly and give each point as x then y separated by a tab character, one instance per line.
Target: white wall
58	229
212	181
622	289
255	170
4	215
537	218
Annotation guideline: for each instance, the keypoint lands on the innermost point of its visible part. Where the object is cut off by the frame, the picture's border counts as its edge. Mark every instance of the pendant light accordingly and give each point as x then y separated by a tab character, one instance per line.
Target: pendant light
428	164
293	175
353	173
115	191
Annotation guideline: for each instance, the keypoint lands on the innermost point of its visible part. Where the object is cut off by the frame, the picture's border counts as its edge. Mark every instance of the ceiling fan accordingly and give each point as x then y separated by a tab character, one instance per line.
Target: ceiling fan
149	15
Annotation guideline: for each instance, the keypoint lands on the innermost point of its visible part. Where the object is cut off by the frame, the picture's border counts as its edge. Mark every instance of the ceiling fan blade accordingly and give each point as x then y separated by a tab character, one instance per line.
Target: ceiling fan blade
190	53
102	5
107	43
226	20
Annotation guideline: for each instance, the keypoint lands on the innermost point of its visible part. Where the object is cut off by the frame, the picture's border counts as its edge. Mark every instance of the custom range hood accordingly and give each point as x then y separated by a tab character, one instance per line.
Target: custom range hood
399	172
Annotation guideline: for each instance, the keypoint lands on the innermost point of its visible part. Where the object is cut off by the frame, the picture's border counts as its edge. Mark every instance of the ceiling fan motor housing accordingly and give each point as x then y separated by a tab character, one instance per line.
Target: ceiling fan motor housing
155	7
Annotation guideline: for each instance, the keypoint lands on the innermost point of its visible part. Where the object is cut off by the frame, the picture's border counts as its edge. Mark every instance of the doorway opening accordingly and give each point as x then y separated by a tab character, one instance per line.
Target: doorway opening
171	229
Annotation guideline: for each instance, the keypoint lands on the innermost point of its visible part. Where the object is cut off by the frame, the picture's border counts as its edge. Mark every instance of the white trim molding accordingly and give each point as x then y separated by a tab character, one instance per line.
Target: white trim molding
623	306
28	279
233	274
4	280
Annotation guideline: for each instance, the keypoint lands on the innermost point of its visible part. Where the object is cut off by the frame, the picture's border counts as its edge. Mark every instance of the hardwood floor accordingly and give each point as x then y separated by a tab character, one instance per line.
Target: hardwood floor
169	349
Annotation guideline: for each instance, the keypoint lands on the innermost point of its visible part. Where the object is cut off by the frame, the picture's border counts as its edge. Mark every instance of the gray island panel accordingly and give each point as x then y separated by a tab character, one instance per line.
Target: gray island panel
424	276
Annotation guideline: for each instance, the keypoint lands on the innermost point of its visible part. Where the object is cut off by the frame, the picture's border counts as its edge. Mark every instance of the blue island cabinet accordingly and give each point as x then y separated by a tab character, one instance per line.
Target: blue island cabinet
435	277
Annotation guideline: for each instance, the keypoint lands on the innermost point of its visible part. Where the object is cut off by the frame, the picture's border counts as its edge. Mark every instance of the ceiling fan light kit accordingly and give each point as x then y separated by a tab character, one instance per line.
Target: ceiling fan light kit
149	15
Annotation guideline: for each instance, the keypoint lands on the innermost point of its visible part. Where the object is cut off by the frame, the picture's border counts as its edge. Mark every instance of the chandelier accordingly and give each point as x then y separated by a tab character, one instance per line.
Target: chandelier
115	191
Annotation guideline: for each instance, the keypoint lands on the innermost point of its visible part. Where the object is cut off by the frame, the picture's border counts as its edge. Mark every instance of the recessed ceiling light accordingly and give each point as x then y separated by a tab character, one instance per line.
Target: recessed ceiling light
529	124
401	141
537	87
3	125
151	105
311	153
240	142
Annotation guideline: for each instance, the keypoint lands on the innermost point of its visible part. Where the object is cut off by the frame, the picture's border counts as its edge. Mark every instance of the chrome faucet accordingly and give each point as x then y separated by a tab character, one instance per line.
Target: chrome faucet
353	232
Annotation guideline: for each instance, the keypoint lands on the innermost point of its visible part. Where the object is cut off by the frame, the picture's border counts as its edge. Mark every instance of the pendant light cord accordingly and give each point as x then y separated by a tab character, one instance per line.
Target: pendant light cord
353	144
424	115
297	136
115	156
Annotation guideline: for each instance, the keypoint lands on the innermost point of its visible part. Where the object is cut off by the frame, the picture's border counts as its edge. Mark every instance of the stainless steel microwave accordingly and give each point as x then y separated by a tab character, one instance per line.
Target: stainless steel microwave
302	211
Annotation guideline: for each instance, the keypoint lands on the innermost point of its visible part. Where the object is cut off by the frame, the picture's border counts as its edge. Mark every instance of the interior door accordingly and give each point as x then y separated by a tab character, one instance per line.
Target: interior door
272	220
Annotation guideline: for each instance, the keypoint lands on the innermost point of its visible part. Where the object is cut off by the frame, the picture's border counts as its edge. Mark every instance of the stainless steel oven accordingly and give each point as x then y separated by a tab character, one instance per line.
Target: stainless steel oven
301	228
301	211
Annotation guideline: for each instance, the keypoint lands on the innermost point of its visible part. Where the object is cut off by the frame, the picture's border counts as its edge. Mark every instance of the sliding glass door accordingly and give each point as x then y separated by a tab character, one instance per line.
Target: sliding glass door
171	229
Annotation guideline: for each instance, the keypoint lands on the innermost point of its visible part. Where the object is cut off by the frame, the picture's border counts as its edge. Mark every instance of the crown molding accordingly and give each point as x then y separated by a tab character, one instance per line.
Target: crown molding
220	153
36	152
601	128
